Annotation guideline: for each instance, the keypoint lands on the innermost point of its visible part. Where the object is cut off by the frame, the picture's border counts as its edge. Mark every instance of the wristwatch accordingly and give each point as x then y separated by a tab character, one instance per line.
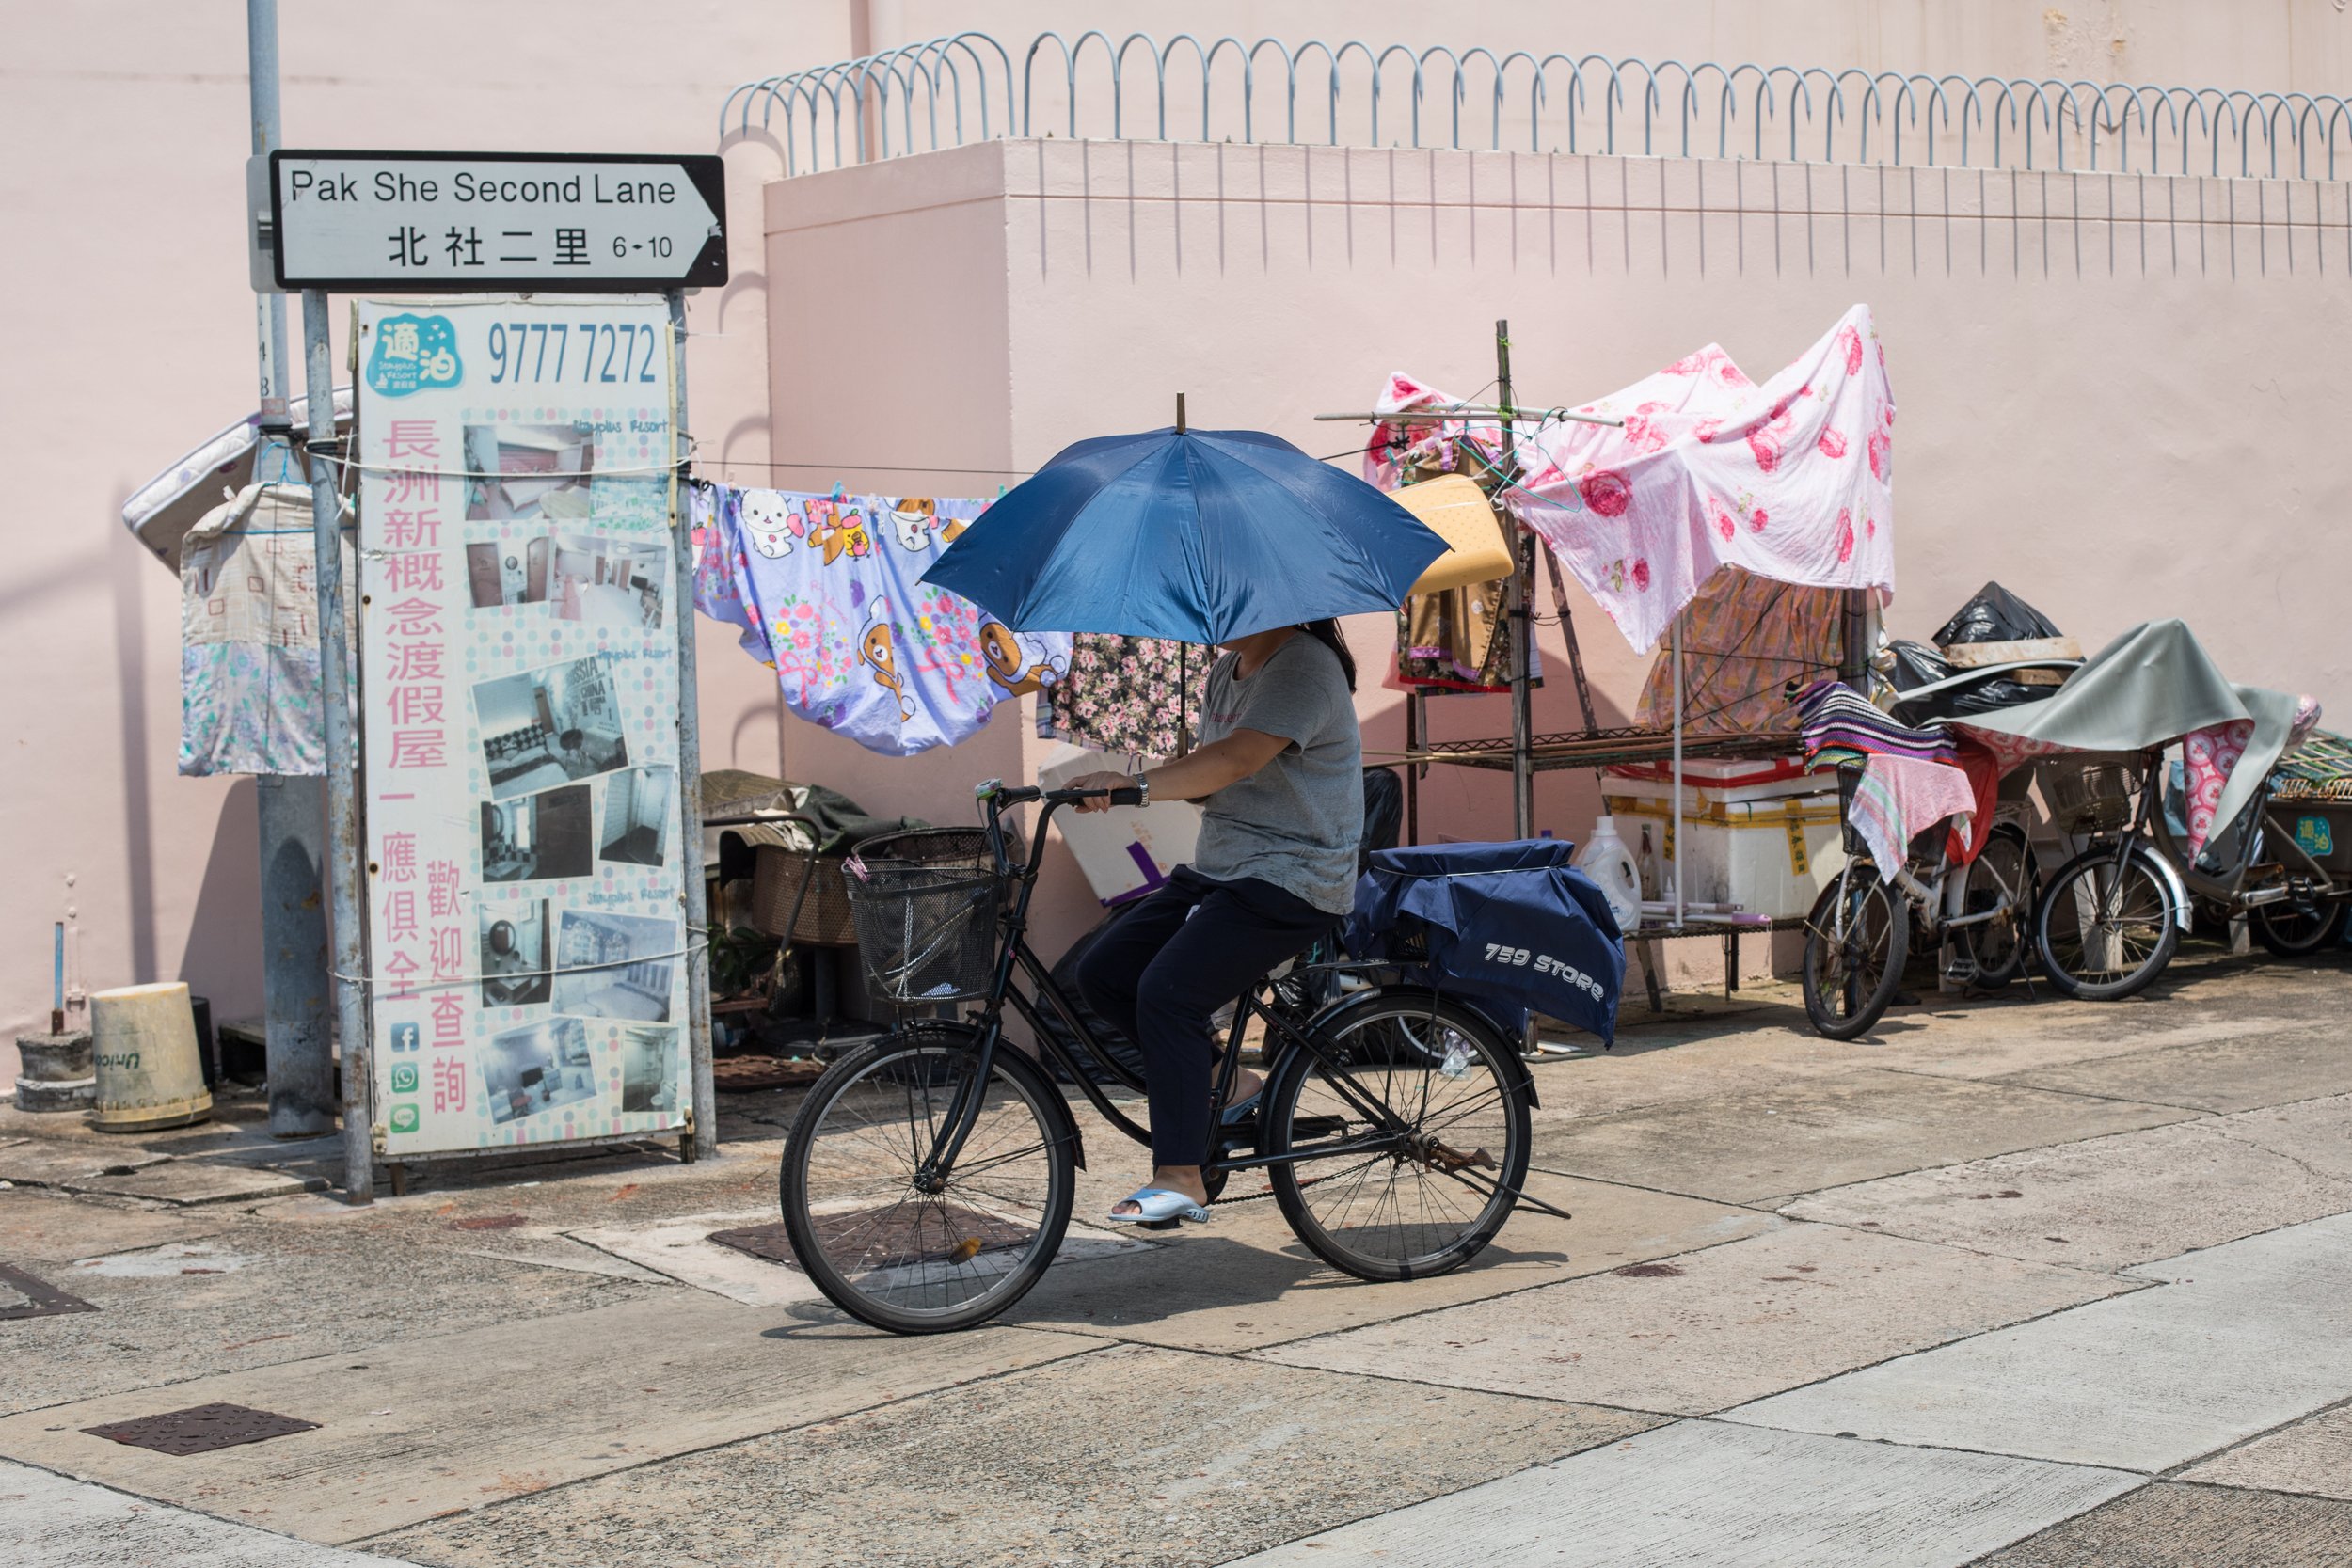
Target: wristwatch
1143	787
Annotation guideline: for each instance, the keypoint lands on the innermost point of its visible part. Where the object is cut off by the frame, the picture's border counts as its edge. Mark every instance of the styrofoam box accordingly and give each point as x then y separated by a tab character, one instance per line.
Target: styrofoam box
1742	847
1127	850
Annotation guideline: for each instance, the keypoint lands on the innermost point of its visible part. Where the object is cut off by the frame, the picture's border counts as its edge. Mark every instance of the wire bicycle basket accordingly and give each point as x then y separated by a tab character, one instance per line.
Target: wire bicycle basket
925	904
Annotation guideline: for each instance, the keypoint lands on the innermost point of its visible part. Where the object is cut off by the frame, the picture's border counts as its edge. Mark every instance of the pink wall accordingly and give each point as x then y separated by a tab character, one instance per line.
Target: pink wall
130	336
2116	438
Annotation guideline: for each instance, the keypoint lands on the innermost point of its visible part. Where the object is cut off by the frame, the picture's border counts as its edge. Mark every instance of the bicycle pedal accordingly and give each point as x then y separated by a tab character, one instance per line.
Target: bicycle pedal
1159	1224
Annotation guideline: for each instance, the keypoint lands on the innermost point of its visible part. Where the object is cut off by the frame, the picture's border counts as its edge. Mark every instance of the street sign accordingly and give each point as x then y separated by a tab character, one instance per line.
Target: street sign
609	223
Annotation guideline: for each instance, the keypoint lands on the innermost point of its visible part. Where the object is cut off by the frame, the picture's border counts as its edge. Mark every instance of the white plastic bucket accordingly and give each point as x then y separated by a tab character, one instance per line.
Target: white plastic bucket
148	1073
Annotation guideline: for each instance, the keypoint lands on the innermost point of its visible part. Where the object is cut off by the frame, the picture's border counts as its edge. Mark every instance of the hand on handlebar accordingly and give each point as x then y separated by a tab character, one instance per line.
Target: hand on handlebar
1092	792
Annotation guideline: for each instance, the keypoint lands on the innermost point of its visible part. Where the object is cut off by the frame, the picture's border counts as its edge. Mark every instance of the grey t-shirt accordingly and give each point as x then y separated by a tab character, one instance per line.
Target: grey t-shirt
1296	821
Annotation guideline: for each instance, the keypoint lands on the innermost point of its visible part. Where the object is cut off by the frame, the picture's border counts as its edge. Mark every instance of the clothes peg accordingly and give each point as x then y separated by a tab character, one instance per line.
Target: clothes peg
1000	492
840	491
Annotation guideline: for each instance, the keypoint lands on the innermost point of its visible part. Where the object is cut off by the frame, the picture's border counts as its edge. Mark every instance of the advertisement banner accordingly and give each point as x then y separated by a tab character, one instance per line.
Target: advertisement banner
518	666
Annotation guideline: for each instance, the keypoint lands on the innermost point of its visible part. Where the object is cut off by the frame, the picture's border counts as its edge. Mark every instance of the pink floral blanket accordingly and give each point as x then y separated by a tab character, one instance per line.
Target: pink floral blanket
1791	480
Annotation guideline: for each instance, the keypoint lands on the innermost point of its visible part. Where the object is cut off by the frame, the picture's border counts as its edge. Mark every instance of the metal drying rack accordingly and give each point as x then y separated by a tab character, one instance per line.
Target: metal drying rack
1525	753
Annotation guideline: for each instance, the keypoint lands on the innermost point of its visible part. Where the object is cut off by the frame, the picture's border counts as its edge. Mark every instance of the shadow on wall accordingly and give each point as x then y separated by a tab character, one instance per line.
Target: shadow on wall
223	958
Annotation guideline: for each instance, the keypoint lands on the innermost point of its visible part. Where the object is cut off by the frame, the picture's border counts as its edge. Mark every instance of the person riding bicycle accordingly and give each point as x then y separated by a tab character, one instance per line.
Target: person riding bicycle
1280	774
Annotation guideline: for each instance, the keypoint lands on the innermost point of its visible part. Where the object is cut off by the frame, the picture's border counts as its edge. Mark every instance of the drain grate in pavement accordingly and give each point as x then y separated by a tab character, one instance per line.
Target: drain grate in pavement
200	1429
761	1241
23	1296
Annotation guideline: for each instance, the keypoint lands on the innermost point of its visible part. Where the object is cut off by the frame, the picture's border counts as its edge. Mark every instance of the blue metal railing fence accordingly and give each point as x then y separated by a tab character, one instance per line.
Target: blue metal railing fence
949	90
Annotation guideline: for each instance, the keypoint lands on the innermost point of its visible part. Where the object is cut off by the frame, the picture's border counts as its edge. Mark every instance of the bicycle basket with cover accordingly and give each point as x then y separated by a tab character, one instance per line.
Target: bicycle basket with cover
1511	928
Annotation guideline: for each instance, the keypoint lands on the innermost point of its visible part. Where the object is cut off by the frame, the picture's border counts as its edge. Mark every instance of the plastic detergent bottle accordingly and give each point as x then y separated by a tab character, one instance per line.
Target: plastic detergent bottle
1609	865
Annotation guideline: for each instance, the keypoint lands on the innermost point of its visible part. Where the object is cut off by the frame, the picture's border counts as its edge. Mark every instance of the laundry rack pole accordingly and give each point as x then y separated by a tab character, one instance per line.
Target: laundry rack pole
1518	590
1515	609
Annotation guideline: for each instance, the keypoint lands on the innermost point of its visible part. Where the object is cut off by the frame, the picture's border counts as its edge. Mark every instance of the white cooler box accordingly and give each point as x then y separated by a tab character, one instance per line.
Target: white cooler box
1762	835
1127	850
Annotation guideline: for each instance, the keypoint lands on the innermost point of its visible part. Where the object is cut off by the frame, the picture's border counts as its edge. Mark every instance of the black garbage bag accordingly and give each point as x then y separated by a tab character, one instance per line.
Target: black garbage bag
1995	616
1912	665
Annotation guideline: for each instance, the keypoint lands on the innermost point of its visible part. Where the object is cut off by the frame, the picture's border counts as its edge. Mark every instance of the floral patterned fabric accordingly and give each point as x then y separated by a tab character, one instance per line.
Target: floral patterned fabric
1744	639
1792	480
829	592
1119	694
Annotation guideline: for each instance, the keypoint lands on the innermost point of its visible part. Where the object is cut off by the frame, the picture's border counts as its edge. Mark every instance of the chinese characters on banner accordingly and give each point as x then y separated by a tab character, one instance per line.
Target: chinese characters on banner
526	868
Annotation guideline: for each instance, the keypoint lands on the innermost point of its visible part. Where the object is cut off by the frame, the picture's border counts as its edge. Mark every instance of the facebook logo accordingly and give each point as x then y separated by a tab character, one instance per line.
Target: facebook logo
404	1037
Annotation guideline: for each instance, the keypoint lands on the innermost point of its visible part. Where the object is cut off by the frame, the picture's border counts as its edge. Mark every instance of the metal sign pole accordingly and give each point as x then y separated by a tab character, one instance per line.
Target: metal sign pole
341	869
689	773
298	1047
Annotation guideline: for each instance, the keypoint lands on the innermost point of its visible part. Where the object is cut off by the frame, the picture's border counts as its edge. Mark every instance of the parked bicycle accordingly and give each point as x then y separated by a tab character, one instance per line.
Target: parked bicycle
2114	913
929	1178
1859	933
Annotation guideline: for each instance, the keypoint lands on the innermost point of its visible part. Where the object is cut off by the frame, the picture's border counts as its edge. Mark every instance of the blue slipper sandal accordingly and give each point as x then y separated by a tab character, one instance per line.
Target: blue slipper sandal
1158	1206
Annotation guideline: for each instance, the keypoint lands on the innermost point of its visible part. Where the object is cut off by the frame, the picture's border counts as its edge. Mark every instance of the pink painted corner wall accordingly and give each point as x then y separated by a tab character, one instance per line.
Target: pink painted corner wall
2120	409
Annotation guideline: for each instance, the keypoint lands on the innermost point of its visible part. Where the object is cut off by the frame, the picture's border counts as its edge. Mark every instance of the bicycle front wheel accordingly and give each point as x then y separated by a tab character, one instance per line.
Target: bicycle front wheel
886	1241
1414	1134
2106	929
1855	941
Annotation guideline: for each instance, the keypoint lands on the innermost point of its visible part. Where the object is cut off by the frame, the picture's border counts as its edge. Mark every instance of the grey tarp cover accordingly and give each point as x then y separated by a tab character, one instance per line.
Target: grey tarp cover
2147	688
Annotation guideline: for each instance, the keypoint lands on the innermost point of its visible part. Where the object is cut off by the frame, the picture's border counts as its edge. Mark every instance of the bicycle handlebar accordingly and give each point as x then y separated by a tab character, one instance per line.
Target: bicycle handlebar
1002	796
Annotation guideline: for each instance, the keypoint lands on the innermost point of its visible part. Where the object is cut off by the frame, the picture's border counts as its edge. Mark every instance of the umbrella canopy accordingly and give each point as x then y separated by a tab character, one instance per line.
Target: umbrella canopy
1202	536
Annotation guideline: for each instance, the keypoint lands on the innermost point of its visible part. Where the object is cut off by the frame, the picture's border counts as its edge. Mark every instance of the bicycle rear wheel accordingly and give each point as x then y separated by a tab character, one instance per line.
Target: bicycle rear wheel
2104	931
2000	878
2296	928
889	1245
1422	1187
1855	941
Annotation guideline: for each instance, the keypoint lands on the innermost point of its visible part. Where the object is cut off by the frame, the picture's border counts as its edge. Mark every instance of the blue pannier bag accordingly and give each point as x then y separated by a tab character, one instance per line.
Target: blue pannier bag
1511	928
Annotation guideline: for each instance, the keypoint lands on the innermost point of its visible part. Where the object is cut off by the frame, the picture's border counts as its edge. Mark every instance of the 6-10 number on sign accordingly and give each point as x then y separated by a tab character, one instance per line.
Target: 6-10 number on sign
605	352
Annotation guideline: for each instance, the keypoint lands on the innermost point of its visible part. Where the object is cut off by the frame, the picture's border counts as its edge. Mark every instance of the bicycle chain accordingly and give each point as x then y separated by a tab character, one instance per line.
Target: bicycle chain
1258	1198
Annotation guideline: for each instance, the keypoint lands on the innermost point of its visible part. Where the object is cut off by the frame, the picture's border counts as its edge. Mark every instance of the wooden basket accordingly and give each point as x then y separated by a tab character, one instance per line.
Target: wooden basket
824	918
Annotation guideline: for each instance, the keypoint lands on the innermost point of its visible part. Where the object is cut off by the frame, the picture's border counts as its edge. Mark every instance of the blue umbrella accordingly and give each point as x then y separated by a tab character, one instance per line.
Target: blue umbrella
1201	535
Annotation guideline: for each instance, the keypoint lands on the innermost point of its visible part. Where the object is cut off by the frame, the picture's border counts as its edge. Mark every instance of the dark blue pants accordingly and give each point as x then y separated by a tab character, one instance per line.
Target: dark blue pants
1168	964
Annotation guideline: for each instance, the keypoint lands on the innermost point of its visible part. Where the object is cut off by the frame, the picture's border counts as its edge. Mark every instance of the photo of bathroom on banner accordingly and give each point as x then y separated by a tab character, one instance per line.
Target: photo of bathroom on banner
549	726
537	1068
538	837
616	965
649	1068
515	968
528	471
503	573
614	584
637	808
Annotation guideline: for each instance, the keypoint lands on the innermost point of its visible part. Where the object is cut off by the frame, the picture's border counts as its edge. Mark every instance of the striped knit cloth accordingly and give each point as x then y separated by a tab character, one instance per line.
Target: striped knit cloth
1838	722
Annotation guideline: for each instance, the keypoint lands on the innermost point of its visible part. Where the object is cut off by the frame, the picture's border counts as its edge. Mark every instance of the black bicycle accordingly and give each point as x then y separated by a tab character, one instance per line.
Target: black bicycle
929	1178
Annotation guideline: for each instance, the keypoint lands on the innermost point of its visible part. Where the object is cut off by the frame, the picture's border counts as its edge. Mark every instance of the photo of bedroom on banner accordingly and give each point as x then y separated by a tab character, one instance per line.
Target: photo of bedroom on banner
826	590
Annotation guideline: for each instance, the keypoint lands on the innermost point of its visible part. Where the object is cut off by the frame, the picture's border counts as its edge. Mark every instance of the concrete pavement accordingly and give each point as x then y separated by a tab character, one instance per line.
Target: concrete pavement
2013	1282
